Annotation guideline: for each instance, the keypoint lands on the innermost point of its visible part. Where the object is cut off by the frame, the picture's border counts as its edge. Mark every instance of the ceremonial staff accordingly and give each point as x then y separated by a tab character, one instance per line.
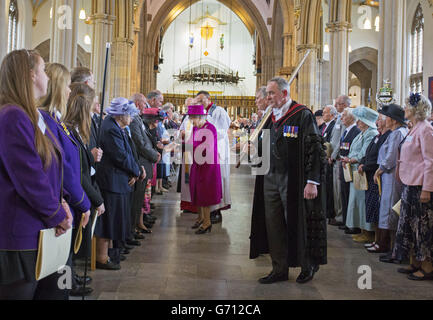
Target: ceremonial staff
107	55
98	144
257	132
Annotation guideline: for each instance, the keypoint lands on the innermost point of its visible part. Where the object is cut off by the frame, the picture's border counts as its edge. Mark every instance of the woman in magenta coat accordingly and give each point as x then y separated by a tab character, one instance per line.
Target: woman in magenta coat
205	174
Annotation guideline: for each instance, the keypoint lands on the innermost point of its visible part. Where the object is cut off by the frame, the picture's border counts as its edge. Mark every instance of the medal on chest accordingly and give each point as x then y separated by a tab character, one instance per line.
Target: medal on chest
291	132
345	146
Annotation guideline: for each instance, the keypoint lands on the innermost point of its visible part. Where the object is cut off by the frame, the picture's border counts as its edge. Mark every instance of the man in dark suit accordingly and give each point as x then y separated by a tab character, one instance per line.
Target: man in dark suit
351	132
328	116
147	156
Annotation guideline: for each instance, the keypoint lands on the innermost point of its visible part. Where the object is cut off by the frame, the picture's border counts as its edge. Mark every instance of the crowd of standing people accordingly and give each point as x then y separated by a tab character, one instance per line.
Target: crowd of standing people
391	213
66	164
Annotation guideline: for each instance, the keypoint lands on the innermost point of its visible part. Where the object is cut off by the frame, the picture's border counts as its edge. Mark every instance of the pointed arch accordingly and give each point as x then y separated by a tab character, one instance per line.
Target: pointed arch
246	11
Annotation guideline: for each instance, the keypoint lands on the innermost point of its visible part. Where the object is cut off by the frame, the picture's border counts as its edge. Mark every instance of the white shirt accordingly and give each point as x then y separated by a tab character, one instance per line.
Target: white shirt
280	112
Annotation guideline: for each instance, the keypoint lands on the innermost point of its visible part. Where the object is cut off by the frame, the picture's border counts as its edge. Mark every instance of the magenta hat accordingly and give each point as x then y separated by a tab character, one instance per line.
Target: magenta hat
196	111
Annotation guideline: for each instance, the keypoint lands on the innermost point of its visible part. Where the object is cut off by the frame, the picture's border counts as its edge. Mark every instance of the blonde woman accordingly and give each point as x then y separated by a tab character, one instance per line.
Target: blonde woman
30	180
78	122
53	108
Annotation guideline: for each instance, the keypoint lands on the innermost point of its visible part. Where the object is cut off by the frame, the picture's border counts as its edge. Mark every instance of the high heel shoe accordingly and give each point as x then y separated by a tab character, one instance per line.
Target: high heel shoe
203	231
197	225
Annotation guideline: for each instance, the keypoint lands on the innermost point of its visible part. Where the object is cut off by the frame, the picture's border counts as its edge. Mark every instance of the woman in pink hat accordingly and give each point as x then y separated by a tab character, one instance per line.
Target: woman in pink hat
205	175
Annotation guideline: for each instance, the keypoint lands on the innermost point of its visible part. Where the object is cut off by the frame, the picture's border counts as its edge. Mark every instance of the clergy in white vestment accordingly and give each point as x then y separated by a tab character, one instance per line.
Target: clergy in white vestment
221	120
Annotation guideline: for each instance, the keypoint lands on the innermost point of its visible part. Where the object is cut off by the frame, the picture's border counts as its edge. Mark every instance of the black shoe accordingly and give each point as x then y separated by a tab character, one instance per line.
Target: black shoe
335	223
80	280
135	243
138	236
122	257
412	269
80	291
425	276
216	218
306	275
148	225
144	231
125	251
147	218
353	231
107	266
166	186
343	227
387	258
203	231
125	246
197	225
272	278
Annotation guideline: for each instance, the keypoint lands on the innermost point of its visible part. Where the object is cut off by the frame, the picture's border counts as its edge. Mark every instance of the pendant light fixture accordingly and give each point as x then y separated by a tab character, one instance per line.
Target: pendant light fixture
82	12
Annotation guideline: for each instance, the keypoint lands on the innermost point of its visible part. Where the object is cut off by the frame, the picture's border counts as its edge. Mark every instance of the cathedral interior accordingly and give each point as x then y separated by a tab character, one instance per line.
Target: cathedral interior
230	48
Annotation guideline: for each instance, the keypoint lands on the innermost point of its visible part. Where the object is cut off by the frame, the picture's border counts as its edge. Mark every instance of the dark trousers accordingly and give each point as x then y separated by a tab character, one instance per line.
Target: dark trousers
330	210
137	203
277	228
345	192
45	289
275	192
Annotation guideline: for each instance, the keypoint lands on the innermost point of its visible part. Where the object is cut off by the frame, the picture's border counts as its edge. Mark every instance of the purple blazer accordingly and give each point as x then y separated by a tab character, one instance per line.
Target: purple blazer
30	197
74	193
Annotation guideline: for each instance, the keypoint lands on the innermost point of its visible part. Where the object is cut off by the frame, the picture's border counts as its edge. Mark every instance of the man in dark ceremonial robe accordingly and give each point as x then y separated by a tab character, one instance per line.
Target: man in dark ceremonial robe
289	219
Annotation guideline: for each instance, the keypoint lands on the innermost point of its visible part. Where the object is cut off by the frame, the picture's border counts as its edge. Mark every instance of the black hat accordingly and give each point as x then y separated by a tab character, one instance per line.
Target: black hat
318	113
394	112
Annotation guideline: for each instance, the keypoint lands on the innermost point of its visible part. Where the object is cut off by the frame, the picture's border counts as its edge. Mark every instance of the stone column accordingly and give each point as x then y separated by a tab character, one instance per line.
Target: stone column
392	47
103	19
3	30
64	32
339	27
308	85
122	49
135	75
308	78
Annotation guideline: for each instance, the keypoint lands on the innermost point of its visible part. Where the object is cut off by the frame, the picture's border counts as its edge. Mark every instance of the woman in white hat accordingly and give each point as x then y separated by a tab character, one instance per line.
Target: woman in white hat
356	212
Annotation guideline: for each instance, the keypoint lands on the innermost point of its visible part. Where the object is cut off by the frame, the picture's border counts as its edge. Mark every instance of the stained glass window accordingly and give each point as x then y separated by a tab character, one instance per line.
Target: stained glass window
416	67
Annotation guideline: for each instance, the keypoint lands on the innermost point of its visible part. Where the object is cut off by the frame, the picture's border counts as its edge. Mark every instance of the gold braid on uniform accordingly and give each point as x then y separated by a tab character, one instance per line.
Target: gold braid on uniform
316	217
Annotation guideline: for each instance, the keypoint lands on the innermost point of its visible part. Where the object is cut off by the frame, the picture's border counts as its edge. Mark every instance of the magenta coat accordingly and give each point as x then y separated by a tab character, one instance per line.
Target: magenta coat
205	175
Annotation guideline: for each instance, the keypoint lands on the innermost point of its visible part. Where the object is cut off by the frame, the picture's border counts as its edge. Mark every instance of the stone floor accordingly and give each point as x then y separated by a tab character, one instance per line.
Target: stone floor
174	263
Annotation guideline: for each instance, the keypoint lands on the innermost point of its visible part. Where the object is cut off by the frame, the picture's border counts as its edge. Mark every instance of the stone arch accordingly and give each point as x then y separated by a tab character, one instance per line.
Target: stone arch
245	9
83	57
363	63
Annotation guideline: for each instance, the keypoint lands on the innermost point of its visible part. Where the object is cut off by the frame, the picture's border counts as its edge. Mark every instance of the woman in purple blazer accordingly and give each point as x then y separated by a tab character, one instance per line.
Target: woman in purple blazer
53	109
30	179
205	176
